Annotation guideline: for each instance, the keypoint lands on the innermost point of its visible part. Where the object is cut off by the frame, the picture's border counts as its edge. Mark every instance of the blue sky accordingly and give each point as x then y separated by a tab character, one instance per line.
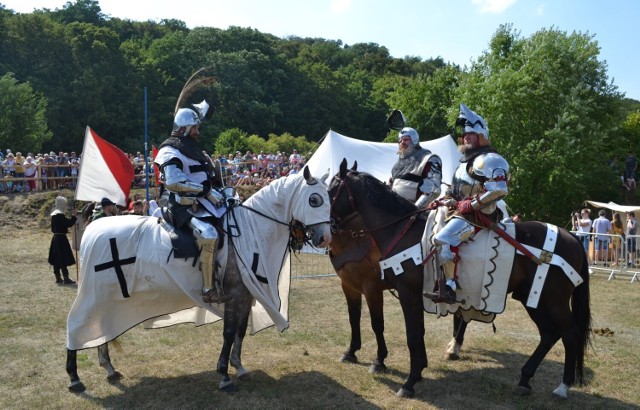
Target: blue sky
456	30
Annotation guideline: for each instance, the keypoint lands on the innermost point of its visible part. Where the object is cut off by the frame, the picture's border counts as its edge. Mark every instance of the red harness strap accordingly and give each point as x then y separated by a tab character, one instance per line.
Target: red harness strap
510	239
399	236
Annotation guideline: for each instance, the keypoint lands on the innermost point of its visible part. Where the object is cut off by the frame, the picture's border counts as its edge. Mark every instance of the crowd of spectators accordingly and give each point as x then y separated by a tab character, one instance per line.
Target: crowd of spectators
259	169
51	171
37	172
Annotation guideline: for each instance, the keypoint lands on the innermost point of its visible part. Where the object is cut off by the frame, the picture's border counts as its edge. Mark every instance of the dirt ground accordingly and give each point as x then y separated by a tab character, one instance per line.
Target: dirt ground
30	210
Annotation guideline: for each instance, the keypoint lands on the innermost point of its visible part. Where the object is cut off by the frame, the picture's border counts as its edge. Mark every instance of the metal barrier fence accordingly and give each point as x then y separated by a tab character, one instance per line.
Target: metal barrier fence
615	260
311	263
619	255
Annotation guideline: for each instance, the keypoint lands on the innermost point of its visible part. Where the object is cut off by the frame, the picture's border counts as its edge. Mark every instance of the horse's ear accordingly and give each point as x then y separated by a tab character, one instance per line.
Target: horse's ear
325	176
307	176
343	168
355	166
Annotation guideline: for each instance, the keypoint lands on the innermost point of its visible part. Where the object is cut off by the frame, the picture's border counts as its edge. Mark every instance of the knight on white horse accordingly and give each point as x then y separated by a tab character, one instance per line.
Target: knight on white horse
192	201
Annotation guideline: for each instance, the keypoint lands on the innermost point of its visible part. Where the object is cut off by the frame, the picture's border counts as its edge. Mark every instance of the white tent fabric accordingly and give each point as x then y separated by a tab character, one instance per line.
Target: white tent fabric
615	207
376	158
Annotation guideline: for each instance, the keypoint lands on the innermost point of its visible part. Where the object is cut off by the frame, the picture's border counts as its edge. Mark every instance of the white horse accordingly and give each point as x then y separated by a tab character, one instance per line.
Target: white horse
130	274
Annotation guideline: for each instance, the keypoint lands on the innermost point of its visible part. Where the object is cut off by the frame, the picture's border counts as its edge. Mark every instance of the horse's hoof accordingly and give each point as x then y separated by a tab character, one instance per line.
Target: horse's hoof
349	358
561	391
77	387
114	377
245	376
523	390
452	356
377	368
228	387
405	393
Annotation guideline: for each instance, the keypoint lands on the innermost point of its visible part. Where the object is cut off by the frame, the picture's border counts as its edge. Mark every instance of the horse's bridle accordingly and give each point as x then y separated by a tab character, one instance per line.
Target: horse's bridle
299	233
336	220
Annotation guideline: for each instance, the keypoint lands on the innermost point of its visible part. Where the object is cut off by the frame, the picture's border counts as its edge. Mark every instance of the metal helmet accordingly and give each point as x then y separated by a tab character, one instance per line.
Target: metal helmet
408	131
469	121
187	117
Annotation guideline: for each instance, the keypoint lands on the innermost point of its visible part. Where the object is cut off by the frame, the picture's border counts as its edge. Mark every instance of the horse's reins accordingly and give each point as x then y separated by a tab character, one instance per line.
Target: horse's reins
293	224
412	218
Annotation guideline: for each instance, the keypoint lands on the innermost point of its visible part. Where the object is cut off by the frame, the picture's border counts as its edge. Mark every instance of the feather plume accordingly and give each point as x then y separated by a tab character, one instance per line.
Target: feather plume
193	83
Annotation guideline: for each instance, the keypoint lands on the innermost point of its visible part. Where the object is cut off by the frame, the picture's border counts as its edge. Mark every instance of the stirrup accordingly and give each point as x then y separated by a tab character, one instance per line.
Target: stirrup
214	295
443	295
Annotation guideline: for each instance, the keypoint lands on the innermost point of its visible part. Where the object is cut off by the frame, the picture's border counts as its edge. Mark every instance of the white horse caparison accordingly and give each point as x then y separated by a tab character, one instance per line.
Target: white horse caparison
129	274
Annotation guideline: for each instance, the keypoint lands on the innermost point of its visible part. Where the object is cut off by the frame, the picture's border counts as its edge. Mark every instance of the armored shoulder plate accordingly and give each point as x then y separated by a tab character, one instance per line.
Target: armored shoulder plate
490	166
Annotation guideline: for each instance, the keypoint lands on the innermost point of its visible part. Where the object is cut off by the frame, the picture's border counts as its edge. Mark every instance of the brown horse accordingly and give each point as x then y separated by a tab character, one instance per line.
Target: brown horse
355	252
355	258
365	208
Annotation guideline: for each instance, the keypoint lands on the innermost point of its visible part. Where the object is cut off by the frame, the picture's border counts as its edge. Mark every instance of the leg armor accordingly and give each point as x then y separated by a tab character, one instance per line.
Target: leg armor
207	240
456	231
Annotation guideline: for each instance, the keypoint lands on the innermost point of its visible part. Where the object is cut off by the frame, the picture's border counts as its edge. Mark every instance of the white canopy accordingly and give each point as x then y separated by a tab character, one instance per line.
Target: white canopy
615	207
376	158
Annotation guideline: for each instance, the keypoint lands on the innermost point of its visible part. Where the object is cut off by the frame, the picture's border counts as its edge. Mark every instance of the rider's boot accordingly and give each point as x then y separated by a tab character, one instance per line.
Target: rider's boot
446	292
208	251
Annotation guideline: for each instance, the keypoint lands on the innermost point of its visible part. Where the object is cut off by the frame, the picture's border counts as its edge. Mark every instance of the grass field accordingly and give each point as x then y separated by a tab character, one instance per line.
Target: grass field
174	368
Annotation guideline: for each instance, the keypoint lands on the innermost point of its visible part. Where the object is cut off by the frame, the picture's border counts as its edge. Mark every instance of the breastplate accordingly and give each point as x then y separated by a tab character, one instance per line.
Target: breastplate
409	164
463	184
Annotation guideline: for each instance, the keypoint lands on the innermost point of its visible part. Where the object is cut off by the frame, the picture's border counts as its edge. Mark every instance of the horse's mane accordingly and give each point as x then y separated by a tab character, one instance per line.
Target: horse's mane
381	196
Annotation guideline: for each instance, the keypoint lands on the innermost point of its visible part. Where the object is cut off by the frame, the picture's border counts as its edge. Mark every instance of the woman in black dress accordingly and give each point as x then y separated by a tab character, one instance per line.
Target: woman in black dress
60	254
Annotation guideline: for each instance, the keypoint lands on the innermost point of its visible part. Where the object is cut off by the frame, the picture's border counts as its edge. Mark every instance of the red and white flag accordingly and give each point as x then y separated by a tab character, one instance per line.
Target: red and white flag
105	171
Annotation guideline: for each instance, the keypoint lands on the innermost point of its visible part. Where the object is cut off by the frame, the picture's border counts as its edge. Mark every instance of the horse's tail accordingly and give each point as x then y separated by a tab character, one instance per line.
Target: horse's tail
115	343
580	306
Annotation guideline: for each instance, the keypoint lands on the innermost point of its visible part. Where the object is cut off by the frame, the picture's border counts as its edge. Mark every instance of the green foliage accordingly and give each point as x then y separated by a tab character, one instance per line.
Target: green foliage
23	125
631	128
84	11
230	141
551	113
286	143
259	144
426	101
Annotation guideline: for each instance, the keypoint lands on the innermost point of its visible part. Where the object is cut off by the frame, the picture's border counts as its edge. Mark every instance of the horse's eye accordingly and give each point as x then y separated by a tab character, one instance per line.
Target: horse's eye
315	200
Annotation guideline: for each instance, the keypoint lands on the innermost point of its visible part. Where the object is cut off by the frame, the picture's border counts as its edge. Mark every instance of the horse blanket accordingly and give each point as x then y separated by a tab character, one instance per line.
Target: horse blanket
483	272
128	275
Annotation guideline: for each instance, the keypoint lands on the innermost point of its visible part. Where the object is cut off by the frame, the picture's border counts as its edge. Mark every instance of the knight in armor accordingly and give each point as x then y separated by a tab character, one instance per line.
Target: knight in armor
193	201
418	173
479	182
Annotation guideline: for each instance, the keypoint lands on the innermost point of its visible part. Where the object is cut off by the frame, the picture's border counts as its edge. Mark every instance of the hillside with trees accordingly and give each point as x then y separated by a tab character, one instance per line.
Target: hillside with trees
551	108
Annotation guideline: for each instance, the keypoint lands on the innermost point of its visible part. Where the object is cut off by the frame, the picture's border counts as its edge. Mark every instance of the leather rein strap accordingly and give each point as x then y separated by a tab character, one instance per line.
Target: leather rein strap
412	218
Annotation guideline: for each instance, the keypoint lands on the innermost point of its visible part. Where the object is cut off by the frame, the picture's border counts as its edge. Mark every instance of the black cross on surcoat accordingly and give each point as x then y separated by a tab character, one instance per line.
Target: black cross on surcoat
117	264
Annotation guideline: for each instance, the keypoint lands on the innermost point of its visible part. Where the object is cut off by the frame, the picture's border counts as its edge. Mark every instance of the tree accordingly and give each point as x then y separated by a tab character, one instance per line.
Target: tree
23	124
230	141
426	101
631	128
82	11
551	113
286	143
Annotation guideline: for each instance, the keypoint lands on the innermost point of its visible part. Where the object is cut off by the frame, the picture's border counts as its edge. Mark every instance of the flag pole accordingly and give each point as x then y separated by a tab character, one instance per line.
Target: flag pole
146	147
75	242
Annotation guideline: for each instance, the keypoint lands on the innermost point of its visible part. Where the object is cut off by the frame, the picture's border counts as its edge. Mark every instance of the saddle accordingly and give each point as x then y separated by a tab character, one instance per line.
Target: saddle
483	272
182	240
